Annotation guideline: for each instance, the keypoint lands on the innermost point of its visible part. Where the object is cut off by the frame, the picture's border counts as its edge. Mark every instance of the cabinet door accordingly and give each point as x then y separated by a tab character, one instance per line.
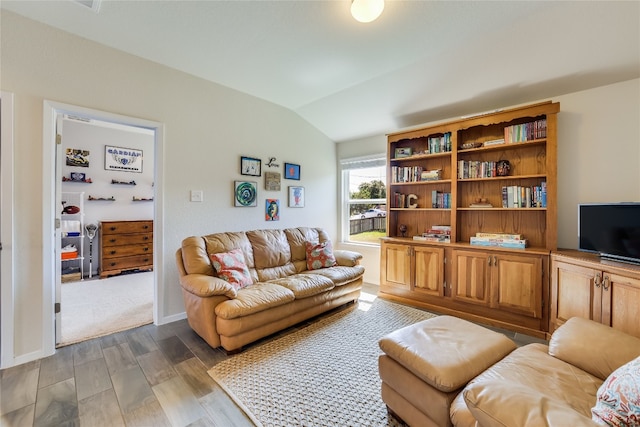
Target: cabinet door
429	270
470	277
396	265
516	282
620	308
574	293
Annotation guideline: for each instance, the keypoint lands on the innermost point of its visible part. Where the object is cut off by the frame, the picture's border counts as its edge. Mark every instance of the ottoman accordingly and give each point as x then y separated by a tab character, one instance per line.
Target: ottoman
425	365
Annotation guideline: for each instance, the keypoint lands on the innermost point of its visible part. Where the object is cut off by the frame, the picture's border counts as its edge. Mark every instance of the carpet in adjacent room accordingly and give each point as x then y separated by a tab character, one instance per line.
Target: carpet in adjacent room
325	374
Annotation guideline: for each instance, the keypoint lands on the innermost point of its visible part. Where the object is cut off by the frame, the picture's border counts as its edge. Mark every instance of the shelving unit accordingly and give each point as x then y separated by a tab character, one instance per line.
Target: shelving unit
72	225
500	286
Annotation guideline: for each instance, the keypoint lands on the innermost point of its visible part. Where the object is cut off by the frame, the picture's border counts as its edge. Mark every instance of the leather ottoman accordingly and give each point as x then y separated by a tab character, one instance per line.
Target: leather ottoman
425	365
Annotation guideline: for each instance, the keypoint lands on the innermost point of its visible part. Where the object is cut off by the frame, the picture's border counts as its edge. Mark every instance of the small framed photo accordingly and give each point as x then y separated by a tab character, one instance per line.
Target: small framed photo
402	152
122	159
272	181
250	166
272	210
291	171
296	197
245	193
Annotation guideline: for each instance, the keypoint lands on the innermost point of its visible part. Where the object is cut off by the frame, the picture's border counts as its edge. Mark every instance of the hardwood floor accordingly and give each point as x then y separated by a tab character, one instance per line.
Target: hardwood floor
147	376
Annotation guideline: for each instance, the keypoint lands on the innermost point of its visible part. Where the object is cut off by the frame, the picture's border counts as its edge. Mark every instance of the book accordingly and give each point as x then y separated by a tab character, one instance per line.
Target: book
480	205
503	243
441	227
441	239
500	235
493	142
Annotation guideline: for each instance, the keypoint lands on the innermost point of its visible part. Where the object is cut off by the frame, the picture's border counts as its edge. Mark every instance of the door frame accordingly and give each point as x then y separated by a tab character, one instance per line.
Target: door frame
6	232
50	113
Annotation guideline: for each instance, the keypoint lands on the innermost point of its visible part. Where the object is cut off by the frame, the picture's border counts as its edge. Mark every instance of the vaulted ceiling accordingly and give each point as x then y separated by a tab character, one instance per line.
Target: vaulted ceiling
420	61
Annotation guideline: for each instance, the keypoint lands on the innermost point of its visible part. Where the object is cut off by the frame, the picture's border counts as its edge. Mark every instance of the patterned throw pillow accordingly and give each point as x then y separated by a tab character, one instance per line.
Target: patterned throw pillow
230	266
319	255
618	401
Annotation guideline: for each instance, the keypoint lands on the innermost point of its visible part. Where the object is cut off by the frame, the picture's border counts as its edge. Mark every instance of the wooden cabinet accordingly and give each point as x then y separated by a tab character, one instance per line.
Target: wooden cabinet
413	268
583	285
447	174
126	246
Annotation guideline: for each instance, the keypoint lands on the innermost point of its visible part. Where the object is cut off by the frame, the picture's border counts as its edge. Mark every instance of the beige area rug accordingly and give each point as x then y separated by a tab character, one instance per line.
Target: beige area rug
325	374
94	308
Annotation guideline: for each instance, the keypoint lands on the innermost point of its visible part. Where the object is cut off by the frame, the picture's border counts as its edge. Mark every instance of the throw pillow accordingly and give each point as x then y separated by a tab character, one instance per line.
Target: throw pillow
230	267
618	398
319	255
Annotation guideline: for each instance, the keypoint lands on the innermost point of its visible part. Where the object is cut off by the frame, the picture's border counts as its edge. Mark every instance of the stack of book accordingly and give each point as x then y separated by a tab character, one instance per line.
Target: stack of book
526	131
437	233
440	200
515	196
439	144
503	240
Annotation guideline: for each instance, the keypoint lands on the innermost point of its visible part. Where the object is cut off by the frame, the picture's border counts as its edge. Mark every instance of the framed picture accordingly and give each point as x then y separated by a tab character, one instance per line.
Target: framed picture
122	159
272	210
250	166
403	152
77	157
296	197
272	181
291	171
245	193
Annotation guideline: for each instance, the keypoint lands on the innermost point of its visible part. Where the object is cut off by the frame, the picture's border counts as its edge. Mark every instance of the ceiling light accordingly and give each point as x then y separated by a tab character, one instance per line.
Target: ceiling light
366	10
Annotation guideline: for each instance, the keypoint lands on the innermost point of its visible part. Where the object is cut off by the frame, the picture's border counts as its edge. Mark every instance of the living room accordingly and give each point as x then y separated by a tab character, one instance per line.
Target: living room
206	128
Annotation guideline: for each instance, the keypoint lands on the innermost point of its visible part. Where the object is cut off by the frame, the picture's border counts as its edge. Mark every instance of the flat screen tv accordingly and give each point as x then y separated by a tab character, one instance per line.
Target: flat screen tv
611	230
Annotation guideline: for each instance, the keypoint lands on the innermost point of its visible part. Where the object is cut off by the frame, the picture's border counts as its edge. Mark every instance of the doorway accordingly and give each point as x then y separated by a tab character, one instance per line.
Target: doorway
54	114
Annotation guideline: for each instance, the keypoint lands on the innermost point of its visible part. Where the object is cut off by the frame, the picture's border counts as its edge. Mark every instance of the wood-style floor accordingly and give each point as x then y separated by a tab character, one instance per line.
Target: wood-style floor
147	376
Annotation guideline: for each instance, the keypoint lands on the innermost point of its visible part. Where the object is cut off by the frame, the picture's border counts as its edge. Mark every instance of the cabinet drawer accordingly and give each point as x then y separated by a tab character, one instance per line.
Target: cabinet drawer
138	261
125	251
127	239
120	227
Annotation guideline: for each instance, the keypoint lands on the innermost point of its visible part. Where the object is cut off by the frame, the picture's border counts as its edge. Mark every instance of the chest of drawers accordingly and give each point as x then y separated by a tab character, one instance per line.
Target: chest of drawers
126	246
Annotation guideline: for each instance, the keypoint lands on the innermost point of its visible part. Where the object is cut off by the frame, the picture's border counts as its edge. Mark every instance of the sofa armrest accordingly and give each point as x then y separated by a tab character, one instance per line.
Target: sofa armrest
347	258
205	286
496	403
593	347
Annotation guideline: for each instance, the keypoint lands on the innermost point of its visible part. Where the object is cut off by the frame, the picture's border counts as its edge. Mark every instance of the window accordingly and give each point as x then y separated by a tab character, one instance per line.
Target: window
364	210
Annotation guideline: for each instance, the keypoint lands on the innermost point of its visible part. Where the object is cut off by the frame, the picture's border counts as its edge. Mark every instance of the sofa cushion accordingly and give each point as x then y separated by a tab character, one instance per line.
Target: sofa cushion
319	255
592	346
618	401
305	285
298	237
254	299
340	275
533	368
230	267
270	248
497	403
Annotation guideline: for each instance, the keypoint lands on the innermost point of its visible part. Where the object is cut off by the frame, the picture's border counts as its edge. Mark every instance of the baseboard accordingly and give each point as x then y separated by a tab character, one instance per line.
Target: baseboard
172	318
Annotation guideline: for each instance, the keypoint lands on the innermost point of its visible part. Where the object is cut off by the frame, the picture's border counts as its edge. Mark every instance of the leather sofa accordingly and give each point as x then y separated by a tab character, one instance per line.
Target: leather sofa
284	291
452	373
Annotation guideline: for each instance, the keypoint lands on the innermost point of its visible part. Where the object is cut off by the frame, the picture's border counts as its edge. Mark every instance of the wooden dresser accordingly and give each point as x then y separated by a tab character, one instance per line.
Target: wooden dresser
126	246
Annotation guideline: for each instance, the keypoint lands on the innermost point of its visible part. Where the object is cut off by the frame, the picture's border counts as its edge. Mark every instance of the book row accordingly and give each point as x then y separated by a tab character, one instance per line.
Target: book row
515	196
413	174
440	200
526	131
476	169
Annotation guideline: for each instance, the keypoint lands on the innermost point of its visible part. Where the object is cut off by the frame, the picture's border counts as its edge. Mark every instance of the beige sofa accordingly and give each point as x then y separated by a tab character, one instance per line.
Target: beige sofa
452	373
284	292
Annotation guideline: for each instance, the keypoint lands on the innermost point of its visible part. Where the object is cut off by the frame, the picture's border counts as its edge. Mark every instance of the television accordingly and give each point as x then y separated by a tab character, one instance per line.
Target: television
611	230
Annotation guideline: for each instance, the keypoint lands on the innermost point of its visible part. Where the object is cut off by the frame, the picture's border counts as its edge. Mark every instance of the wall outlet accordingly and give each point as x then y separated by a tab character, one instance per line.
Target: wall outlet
197	195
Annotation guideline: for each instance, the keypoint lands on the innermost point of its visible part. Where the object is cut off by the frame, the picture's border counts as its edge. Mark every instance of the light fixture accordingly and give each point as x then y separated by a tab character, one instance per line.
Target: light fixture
366	10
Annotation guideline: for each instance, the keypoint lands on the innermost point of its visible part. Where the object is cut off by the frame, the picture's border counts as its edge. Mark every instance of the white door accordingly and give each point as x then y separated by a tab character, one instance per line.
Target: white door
58	218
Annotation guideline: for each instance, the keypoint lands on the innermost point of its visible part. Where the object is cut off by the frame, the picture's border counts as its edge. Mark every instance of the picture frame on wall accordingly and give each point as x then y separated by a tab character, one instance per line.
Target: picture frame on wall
291	171
296	197
272	181
122	159
250	166
245	193
272	210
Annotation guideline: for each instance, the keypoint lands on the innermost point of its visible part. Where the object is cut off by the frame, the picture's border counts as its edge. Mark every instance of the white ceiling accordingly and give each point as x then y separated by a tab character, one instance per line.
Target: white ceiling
420	61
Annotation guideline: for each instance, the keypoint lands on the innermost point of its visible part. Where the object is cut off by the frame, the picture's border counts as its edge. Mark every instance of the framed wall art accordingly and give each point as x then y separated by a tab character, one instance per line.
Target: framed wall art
272	210
272	181
291	171
250	166
122	159
296	197
245	193
77	157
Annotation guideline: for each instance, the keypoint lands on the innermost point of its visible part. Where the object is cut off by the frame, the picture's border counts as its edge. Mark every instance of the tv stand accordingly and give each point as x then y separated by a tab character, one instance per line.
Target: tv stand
590	286
615	258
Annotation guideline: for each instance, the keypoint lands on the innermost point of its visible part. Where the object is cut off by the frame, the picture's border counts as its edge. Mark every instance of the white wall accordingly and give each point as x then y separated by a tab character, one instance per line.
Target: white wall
207	127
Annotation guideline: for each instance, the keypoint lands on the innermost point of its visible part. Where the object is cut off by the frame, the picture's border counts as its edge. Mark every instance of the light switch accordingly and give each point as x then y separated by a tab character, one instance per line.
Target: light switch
197	196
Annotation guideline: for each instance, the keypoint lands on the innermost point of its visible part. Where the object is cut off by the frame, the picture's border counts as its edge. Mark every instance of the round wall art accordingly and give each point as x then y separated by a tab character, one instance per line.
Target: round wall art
246	193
